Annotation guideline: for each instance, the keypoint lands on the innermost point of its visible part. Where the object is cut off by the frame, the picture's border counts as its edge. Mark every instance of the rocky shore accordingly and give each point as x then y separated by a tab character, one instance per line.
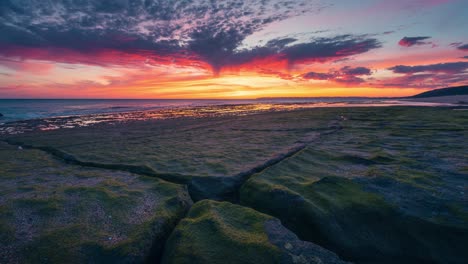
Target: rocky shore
322	185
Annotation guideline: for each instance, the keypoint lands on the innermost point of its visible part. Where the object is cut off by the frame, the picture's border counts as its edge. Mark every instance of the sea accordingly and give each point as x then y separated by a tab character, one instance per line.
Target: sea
26	109
22	115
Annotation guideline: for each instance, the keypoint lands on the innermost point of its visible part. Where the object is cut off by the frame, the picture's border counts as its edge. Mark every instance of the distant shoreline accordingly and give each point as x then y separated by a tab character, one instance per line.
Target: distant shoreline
449	99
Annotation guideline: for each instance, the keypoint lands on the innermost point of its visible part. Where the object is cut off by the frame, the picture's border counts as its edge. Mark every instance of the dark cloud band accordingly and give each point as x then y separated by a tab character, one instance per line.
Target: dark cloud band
203	31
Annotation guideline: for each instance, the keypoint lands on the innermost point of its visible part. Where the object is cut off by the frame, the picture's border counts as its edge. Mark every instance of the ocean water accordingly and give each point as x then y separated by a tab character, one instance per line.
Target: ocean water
23	115
26	109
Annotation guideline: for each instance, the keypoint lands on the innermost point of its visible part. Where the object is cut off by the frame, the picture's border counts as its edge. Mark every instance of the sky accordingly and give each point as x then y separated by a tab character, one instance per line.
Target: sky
230	49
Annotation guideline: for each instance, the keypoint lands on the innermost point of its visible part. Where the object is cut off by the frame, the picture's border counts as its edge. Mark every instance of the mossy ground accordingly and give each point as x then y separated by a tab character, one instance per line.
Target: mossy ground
391	184
210	147
220	232
401	167
52	212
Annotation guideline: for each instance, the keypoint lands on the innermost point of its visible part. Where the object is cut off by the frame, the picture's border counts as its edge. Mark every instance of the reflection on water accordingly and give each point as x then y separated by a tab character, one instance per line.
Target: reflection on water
177	112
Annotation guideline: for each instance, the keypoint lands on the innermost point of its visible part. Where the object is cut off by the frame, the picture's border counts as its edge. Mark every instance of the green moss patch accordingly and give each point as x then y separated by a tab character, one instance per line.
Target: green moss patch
53	212
221	232
340	215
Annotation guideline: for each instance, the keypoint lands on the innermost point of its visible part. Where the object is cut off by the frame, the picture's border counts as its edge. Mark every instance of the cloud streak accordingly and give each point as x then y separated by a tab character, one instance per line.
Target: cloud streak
463	47
428	76
345	75
413	41
450	68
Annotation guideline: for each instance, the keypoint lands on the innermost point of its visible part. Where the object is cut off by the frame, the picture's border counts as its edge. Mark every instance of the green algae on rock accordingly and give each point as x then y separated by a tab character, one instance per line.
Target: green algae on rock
388	187
213	151
221	232
57	213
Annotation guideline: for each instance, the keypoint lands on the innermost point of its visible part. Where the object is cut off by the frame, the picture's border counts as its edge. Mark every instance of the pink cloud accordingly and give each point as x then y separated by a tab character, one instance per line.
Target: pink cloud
28	66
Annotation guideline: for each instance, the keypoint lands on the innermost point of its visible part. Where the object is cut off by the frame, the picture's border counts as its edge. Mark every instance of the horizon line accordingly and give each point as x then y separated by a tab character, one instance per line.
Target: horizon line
258	98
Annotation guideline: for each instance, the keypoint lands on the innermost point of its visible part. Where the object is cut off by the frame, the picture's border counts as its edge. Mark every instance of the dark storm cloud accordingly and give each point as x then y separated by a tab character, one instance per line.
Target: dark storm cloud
347	75
412	41
451	67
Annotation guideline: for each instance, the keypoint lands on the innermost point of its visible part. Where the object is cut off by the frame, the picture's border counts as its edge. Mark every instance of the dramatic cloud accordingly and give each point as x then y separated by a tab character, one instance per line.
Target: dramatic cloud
199	30
346	75
325	49
193	33
428	76
452	67
317	50
412	41
159	48
424	81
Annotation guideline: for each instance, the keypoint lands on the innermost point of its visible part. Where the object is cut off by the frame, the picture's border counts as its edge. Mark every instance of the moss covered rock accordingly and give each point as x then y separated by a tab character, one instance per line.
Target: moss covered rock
197	152
51	212
340	215
221	232
389	187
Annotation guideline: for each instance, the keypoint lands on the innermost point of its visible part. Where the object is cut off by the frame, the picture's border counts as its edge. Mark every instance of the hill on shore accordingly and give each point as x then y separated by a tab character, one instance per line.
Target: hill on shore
451	91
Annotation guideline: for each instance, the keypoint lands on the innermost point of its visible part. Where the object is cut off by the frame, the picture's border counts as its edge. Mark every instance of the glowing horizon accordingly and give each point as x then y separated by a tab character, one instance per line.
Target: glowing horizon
233	49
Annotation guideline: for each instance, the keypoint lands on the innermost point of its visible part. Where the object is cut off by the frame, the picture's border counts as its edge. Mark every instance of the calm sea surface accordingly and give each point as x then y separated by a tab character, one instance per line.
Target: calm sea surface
22	115
24	109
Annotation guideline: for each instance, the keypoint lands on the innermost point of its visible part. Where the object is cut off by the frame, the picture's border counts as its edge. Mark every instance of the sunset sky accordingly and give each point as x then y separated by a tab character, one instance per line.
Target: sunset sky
230	49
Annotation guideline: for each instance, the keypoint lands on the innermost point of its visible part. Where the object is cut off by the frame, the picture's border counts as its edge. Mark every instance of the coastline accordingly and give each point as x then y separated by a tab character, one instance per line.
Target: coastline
261	167
450	99
73	121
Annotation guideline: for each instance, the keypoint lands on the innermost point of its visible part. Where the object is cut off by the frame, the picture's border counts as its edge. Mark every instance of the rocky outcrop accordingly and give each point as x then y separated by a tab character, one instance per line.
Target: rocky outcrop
221	232
360	226
51	212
